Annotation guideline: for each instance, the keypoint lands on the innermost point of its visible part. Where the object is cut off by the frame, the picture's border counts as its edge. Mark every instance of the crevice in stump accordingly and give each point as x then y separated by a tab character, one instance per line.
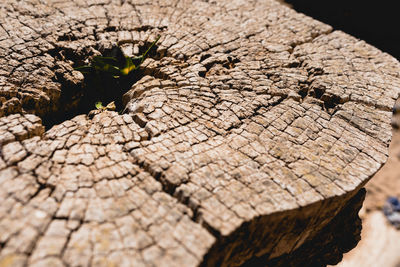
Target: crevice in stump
78	96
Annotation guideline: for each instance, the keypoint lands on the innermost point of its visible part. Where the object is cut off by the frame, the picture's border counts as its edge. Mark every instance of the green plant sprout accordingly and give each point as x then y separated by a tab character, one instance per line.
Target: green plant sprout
115	67
110	106
106	76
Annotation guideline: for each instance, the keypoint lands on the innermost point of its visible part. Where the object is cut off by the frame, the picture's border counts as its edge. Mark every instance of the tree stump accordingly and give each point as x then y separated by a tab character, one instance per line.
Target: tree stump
246	139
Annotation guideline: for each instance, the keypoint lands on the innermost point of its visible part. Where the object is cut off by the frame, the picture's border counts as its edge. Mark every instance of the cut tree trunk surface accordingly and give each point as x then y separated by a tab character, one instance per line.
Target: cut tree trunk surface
246	139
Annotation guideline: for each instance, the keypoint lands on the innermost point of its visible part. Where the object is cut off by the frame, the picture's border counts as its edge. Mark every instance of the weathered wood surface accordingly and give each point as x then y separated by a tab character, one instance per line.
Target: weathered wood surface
251	129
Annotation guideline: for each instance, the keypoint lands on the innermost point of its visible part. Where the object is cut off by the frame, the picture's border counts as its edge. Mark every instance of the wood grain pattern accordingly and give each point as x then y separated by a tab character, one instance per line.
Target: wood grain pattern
247	133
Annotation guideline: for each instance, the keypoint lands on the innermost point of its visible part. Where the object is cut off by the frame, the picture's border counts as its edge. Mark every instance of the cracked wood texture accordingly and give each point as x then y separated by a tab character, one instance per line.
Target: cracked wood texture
245	139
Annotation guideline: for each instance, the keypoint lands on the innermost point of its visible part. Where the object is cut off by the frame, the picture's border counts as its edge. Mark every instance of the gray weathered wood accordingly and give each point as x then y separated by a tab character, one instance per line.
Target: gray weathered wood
252	129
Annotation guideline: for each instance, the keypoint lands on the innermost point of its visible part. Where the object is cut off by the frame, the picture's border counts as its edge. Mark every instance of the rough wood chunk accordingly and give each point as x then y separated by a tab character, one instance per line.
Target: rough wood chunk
246	139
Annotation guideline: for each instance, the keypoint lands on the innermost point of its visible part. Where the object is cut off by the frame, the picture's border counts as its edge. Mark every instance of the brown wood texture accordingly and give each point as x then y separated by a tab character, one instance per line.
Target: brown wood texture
248	131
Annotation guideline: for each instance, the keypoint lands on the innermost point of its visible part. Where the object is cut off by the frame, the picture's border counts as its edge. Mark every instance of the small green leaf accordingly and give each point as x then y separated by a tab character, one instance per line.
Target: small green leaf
150	47
111	70
128	67
139	59
99	105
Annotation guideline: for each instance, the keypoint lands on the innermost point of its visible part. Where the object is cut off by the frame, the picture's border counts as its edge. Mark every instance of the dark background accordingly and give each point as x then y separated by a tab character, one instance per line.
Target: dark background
376	22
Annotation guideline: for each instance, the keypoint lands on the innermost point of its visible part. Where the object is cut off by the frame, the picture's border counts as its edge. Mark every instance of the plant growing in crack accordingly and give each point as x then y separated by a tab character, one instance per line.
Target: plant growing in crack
111	76
110	106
